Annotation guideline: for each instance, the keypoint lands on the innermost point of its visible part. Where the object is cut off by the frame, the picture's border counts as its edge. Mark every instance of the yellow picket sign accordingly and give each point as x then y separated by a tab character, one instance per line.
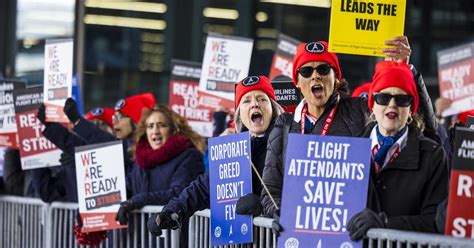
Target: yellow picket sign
361	26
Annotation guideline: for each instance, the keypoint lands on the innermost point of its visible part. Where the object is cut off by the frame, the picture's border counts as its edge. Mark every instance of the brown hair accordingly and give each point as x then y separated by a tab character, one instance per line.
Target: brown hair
178	125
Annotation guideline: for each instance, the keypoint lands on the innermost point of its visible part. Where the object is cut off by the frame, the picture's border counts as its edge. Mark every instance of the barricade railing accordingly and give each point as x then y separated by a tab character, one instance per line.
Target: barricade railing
22	222
199	231
398	239
62	219
29	222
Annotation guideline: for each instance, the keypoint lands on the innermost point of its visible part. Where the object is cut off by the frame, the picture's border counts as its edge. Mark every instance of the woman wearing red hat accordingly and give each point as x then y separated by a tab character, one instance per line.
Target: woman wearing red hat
256	111
409	175
324	110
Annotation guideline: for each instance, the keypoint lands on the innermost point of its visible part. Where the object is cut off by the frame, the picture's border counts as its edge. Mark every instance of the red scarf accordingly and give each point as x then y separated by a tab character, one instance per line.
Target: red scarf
146	157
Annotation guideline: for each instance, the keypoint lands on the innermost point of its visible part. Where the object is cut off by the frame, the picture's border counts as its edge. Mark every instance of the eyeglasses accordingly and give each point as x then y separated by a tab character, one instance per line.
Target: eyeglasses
400	100
322	69
117	117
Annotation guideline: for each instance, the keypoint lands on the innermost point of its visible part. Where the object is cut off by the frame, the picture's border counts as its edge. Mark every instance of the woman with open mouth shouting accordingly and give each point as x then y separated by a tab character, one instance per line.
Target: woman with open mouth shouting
168	156
256	112
325	110
409	173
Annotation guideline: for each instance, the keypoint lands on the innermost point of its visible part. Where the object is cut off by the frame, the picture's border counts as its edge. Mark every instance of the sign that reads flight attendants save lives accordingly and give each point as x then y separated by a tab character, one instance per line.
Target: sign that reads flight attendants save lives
100	185
58	61
36	151
456	79
460	213
8	131
188	101
361	27
230	177
325	184
226	61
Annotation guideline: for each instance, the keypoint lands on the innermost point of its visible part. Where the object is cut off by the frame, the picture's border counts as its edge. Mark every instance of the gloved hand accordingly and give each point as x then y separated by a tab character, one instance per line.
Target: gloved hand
66	159
363	221
249	204
441	216
125	208
276	227
41	115
71	111
164	220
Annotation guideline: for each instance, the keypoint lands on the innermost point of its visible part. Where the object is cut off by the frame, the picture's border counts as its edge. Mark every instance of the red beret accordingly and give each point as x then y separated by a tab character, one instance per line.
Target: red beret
132	106
393	74
254	83
104	114
314	51
361	89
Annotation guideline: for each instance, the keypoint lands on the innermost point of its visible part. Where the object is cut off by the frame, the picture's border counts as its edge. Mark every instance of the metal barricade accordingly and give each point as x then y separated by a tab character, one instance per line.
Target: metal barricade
397	239
62	217
199	225
22	222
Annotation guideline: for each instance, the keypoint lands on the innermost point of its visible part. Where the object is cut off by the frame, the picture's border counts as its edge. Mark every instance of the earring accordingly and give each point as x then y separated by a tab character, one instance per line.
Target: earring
372	117
409	120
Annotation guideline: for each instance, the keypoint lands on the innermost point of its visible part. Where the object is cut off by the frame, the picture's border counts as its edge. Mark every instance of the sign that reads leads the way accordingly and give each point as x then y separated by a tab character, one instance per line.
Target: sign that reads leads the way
8	130
361	27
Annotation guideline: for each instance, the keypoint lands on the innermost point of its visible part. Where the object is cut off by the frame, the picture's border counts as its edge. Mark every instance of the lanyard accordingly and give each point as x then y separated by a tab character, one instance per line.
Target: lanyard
377	167
327	124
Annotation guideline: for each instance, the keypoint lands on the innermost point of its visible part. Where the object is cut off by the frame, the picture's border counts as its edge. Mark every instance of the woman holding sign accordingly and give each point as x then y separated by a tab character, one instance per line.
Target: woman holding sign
168	156
324	109
409	175
256	111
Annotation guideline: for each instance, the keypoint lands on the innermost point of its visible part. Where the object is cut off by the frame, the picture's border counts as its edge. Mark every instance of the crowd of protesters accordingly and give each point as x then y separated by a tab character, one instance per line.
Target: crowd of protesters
165	160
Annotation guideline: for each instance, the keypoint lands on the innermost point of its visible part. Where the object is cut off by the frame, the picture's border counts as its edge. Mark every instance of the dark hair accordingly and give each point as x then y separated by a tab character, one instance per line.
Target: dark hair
343	87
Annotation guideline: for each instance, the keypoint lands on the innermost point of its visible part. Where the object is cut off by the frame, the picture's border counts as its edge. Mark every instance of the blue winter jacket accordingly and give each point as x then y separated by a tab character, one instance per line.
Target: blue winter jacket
160	183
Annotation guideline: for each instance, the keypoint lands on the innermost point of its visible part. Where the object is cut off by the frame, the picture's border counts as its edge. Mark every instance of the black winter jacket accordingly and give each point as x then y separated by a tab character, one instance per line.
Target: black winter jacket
410	188
350	120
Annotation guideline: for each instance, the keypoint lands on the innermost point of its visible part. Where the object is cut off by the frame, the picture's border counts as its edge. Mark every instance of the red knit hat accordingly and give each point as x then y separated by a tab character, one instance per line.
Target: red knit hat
132	106
314	51
361	90
254	83
104	114
393	74
462	117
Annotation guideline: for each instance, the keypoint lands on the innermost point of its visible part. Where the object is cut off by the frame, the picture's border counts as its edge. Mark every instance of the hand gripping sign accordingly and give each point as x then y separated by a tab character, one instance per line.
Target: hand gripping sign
230	178
325	184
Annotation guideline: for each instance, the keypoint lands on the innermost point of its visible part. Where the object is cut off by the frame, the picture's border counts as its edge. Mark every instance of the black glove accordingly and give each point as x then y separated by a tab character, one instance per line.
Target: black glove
249	204
163	220
71	111
441	216
41	115
125	208
276	227
363	221
65	159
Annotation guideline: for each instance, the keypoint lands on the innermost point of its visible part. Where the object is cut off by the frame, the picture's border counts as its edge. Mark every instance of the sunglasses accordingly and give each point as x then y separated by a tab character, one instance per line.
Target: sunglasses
400	100
307	71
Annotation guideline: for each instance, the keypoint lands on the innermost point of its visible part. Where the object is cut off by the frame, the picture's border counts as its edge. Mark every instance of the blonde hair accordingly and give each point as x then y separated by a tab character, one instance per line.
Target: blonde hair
240	127
177	124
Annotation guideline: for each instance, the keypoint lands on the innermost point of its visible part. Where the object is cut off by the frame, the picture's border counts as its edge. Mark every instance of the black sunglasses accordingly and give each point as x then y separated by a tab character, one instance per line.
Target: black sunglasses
307	71
400	100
